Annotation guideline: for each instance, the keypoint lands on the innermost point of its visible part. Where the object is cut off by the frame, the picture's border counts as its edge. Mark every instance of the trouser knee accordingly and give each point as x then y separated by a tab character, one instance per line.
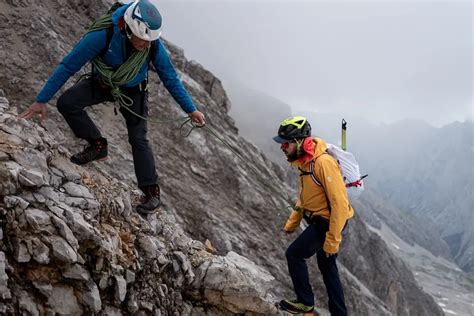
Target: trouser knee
138	143
290	254
64	104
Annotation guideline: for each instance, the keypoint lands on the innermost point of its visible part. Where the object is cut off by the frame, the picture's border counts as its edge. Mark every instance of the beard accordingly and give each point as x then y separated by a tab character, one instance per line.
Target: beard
292	157
296	154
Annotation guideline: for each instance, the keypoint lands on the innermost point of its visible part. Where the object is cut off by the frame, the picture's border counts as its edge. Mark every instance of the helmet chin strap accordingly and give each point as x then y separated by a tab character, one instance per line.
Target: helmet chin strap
299	147
299	150
128	32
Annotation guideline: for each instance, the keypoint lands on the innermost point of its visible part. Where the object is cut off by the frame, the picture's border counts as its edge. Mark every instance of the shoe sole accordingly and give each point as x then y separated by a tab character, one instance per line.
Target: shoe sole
146	212
82	164
293	312
298	313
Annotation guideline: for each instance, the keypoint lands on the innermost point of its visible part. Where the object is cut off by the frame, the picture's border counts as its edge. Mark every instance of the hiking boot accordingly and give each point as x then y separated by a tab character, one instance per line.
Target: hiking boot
151	201
95	150
294	307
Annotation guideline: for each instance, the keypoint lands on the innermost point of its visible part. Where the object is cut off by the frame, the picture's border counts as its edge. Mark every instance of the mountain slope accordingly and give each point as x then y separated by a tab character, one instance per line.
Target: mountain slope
213	194
72	244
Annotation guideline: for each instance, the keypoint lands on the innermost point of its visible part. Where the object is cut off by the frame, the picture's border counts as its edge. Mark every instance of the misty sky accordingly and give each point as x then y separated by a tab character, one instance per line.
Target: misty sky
384	60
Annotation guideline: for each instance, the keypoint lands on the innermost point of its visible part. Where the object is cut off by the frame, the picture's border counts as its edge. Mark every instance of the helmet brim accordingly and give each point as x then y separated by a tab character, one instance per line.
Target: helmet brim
280	140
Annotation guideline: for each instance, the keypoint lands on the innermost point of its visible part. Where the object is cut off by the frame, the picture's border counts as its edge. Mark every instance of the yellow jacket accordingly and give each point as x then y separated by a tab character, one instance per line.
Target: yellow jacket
312	196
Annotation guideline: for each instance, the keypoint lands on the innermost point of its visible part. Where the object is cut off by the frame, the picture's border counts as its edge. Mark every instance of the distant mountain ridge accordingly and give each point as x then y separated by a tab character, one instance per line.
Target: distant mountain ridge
258	116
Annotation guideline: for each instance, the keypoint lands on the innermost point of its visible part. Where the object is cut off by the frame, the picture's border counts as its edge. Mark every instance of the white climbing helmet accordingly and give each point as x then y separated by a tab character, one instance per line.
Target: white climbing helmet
144	20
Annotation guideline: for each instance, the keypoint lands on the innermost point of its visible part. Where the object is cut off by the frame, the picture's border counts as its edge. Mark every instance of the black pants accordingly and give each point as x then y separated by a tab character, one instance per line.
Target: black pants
305	246
89	92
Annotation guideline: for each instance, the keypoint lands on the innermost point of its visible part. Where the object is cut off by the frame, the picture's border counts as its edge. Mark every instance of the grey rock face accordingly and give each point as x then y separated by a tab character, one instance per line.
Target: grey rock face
62	251
4	291
40	251
120	288
64	302
77	190
236	283
84	262
31	178
91	298
21	253
77	272
27	304
37	219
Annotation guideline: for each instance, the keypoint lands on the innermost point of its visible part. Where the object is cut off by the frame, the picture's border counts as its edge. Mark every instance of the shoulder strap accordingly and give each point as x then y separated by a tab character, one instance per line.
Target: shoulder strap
312	174
105	22
152	52
109	33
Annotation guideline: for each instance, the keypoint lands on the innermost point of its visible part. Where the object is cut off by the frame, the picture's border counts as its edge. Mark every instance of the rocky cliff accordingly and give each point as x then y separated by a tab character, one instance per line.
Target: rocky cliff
72	244
70	234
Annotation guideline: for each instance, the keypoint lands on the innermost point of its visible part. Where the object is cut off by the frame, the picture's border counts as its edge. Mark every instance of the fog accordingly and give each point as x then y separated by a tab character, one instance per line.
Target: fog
384	60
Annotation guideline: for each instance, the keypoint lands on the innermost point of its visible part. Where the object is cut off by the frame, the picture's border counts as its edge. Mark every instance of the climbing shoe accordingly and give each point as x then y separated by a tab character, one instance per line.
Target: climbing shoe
95	150
294	307
151	200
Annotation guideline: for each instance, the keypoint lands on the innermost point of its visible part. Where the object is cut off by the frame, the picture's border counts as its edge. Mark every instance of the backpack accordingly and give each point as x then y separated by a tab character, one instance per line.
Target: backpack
349	170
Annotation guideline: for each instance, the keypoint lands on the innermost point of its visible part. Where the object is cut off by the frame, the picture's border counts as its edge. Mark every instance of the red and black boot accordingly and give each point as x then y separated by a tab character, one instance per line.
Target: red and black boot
95	150
151	201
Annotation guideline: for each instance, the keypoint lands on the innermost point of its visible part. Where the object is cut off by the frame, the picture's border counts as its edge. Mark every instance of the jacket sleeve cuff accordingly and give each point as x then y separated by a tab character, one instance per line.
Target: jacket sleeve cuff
293	221
330	247
289	227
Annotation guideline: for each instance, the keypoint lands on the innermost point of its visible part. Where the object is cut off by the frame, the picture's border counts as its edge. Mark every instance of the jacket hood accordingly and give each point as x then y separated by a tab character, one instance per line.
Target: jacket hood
320	147
313	148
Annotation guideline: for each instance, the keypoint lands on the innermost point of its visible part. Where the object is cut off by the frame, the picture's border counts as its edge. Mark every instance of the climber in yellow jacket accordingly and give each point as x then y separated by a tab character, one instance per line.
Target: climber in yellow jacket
324	204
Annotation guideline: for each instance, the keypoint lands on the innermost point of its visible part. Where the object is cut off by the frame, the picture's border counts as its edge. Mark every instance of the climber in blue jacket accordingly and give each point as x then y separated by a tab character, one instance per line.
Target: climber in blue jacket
123	43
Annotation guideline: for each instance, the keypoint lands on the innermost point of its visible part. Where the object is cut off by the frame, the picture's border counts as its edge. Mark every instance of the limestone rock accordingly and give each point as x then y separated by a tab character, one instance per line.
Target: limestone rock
91	298
64	302
40	251
77	190
13	201
21	253
27	304
77	272
31	178
236	283
4	290
38	219
120	288
62	251
65	232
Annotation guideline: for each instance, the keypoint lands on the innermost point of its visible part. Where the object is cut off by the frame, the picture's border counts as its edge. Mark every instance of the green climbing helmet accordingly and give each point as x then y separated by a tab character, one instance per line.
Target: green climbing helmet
296	127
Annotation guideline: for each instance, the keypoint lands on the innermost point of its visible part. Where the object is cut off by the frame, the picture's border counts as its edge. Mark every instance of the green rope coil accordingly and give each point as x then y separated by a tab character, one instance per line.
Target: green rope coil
114	78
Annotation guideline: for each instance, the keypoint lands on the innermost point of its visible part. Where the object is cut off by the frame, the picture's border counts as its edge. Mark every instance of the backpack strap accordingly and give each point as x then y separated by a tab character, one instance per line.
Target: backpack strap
109	32
312	174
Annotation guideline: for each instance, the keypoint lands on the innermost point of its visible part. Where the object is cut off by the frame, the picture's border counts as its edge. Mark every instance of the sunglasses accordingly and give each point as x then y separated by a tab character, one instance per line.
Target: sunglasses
285	145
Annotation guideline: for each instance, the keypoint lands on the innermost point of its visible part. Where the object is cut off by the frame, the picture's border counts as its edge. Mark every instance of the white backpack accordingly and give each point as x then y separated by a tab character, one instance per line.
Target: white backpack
349	170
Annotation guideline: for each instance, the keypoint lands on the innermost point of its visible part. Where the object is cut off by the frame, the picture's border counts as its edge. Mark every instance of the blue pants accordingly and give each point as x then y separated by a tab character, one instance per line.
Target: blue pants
88	92
305	246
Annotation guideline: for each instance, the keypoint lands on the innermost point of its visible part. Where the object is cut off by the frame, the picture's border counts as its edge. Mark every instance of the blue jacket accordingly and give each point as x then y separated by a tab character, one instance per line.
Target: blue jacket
93	43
